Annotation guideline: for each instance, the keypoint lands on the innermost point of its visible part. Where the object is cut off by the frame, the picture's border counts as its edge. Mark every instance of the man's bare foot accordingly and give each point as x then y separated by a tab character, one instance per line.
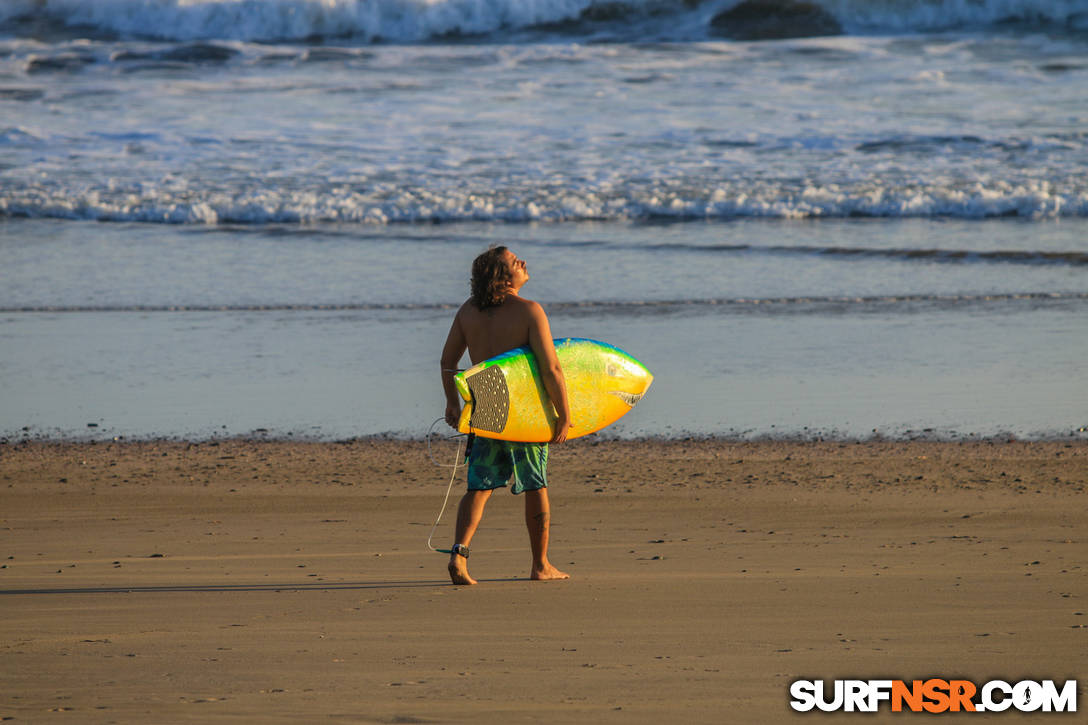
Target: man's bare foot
459	571
547	573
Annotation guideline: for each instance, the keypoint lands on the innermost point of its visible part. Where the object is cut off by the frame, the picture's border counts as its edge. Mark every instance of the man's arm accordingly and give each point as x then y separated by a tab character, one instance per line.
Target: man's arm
451	355
540	340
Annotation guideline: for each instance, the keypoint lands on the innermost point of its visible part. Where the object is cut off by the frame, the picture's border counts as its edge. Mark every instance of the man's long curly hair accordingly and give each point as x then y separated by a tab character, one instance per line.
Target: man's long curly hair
490	279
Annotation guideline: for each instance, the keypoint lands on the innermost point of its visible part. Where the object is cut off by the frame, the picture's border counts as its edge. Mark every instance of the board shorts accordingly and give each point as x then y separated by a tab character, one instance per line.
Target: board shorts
492	462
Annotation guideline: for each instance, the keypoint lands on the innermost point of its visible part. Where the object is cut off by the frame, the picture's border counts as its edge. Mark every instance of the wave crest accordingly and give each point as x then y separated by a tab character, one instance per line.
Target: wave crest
188	205
370	21
764	305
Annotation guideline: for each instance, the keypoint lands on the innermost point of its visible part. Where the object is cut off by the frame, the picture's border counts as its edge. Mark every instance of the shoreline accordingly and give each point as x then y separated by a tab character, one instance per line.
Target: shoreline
910	436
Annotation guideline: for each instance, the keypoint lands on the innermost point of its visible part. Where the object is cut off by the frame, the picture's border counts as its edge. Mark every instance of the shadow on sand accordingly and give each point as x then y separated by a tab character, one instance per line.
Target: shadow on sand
314	587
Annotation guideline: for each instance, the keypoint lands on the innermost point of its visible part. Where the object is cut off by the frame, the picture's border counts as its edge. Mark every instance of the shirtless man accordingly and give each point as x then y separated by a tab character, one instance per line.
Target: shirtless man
493	320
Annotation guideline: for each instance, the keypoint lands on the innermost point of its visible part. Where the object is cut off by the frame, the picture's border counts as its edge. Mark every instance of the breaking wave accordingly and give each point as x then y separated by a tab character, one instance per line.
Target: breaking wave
962	256
1028	200
370	21
771	305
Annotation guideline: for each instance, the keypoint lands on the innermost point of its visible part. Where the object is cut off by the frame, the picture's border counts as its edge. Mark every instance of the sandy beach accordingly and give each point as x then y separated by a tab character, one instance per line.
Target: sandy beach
241	581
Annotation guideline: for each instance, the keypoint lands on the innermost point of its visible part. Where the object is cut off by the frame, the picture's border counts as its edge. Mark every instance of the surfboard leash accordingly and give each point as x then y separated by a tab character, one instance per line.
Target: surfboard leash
458	462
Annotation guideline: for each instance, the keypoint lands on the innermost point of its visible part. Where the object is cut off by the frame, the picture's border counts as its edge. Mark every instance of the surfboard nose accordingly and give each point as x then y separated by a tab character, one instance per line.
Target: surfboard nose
636	384
640	377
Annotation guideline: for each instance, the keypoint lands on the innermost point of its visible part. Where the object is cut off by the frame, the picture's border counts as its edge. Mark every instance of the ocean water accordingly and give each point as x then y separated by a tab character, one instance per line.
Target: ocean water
224	217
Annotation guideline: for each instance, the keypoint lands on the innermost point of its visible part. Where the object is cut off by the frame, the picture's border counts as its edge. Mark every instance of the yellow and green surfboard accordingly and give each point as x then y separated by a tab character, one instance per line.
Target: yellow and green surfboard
505	397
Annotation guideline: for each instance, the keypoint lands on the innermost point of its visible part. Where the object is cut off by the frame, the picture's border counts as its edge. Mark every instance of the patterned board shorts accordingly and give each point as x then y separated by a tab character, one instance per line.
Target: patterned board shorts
492	462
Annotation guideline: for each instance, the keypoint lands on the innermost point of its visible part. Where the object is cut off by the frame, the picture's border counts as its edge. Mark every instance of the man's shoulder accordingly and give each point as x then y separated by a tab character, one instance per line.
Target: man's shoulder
512	304
468	309
527	305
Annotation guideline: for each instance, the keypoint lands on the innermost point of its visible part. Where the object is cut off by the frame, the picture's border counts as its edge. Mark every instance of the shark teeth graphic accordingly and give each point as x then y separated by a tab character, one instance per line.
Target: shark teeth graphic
629	398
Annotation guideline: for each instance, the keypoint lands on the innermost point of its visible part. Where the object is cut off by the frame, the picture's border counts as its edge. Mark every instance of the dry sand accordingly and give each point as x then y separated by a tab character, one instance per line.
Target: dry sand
289	582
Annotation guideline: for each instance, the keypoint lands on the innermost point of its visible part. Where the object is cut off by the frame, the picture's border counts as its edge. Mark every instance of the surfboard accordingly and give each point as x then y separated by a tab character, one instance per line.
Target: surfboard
505	397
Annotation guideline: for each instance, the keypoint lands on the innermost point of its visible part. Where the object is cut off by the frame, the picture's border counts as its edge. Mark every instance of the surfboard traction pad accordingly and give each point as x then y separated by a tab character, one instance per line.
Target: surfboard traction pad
490	400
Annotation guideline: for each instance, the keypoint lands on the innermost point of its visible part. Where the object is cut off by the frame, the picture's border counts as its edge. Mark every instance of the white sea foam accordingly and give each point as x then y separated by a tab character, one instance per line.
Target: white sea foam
283	205
397	20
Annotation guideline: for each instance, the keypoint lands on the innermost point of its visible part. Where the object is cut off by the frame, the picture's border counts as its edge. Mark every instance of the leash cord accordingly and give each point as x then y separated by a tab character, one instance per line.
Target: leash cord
456	465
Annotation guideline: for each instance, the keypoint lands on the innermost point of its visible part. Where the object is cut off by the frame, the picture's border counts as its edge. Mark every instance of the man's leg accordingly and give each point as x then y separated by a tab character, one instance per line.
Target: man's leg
469	514
538	521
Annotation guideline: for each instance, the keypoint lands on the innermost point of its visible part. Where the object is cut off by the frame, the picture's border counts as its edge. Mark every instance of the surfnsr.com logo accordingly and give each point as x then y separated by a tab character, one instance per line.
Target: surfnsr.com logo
933	696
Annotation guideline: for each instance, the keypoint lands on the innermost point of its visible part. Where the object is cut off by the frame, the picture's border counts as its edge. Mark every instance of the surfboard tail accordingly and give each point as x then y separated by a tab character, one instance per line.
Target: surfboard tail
462	386
464	425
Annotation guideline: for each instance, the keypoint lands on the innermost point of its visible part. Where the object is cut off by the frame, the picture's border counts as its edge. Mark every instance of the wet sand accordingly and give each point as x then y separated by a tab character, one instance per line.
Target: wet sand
290	582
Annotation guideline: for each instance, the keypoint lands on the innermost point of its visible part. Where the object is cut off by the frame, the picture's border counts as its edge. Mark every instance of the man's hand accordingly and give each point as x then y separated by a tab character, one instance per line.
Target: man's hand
562	428
453	415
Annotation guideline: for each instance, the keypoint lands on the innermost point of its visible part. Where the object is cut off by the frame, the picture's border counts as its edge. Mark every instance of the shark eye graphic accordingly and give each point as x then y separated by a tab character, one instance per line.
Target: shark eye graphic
612	370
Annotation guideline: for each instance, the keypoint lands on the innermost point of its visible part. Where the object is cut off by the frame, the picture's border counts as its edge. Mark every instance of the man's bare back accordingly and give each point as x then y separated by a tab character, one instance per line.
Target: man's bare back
494	331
